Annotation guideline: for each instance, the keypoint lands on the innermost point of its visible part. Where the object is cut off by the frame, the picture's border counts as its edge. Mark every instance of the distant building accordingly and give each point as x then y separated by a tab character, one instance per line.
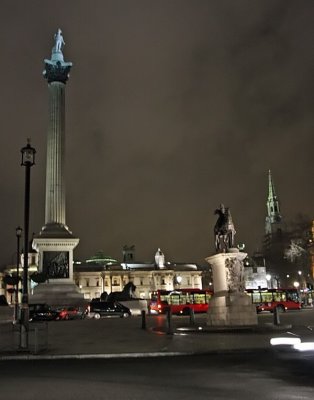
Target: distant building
11	270
276	238
287	247
255	275
273	222
94	278
102	273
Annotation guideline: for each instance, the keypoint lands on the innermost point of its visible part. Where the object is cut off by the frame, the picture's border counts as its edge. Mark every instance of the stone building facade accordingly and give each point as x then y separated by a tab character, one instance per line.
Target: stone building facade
105	274
93	280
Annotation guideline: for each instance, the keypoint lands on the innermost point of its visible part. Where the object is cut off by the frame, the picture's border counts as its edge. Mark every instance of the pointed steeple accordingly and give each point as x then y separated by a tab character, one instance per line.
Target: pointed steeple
273	218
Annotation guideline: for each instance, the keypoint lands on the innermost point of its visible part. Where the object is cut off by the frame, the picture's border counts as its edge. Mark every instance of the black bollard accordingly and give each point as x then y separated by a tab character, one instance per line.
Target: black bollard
276	316
143	319
169	321
192	316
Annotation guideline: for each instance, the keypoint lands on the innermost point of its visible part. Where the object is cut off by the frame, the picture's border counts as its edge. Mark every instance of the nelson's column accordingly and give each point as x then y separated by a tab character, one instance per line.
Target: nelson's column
55	242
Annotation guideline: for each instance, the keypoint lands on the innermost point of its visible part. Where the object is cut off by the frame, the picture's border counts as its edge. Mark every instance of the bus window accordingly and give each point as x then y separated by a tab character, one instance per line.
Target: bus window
267	297
279	296
175	299
208	297
256	297
183	298
164	297
199	298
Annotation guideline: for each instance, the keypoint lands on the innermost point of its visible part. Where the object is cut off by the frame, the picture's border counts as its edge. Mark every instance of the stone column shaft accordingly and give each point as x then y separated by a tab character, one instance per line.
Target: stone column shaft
55	182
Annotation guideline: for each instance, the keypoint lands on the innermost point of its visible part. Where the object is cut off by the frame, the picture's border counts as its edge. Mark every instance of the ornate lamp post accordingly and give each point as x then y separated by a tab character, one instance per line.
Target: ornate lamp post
28	160
18	231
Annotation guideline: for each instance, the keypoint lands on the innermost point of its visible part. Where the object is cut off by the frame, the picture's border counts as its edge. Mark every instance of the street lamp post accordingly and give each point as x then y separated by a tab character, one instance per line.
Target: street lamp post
18	231
28	160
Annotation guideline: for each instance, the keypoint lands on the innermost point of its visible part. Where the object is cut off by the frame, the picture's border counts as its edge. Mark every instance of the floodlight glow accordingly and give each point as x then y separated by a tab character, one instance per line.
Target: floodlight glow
179	279
305	346
292	341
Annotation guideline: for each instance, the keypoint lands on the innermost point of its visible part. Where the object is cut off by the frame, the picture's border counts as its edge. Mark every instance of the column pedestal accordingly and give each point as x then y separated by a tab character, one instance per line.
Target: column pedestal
230	305
55	246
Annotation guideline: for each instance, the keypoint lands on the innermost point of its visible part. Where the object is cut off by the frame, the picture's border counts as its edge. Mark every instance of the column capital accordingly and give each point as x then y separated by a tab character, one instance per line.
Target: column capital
56	69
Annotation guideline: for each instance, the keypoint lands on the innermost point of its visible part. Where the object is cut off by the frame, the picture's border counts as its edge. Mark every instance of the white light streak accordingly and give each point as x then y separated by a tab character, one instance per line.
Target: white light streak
305	346
292	341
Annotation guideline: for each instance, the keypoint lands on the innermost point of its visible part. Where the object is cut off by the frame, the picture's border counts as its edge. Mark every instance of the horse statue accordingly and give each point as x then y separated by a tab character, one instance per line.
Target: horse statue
224	230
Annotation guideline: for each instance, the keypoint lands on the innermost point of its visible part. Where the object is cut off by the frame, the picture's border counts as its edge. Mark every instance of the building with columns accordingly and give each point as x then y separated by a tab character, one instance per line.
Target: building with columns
102	273
98	276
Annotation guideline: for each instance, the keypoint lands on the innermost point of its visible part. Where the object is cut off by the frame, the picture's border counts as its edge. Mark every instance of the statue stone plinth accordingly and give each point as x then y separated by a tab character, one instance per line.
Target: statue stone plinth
230	305
58	294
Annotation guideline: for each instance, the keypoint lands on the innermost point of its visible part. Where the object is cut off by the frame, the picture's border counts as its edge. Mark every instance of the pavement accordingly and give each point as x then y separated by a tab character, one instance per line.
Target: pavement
130	337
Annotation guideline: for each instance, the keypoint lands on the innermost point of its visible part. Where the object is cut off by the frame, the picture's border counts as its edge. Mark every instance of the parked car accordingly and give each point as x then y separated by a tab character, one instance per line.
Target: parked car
66	313
42	312
98	309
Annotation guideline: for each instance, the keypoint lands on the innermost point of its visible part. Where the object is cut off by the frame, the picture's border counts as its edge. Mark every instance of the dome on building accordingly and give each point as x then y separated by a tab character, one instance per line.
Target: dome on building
101	258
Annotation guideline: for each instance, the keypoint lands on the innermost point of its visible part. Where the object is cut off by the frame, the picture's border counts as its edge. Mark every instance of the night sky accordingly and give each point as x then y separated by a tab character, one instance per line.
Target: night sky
172	107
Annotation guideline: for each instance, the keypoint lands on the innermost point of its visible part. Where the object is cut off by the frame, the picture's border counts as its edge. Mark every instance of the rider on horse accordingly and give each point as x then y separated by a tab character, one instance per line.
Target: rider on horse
224	229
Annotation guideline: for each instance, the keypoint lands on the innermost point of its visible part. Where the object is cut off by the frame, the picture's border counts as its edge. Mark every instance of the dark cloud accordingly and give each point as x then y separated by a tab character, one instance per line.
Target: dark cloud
172	108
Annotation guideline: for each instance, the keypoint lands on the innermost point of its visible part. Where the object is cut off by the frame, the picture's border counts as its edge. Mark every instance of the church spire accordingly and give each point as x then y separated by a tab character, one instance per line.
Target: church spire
273	218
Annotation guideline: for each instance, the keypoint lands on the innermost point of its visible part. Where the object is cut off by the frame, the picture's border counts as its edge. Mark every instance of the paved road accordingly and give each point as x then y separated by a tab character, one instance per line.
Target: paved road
116	336
303	317
257	375
233	365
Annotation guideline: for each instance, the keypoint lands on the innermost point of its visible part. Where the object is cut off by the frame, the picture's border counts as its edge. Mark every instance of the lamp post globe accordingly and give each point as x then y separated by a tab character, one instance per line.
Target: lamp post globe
28	160
28	155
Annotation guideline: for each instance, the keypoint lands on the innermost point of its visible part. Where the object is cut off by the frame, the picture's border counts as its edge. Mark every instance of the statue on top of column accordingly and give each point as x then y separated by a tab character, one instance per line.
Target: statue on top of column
59	40
224	230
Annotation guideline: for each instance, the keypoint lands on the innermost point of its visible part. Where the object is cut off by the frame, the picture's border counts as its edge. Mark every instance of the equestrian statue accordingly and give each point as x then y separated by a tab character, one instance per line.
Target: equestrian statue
224	230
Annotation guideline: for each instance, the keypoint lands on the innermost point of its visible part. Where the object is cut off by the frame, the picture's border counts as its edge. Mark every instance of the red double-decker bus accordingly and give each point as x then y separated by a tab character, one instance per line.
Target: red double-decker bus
180	301
275	299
